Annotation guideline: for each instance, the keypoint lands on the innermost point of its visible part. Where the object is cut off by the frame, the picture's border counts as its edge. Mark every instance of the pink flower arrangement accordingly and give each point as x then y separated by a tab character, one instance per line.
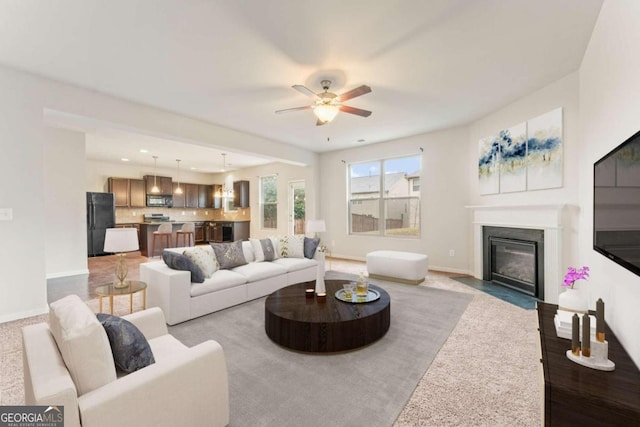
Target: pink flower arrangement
573	275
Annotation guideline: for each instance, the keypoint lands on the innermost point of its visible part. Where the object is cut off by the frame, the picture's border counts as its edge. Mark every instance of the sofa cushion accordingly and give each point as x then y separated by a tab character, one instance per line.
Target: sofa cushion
247	251
276	246
166	347
260	270
263	249
204	257
229	255
178	261
130	348
310	246
295	264
221	279
83	344
291	246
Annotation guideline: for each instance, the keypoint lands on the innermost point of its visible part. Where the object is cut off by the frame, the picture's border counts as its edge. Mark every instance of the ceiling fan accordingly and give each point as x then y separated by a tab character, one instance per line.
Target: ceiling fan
327	104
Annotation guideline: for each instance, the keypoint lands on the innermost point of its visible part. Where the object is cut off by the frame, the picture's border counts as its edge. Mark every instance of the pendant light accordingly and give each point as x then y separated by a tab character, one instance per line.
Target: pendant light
178	189
155	188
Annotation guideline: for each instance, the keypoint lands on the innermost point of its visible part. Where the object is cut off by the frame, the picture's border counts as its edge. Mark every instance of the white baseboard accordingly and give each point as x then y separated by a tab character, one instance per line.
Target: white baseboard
67	274
24	314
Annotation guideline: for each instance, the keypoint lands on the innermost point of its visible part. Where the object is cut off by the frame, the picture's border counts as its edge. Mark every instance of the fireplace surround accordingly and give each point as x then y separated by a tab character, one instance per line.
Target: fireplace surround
555	220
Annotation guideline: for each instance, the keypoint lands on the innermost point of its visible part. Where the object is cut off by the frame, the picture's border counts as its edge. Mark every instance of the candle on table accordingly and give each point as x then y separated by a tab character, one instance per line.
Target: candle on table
586	335
575	335
600	320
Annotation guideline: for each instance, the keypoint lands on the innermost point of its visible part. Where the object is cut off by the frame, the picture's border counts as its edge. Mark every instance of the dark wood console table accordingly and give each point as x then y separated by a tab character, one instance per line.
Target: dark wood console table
577	395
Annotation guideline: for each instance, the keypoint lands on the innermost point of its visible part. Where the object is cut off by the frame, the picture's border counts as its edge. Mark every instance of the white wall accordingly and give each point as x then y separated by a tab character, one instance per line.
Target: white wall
285	173
444	220
561	93
65	203
27	102
610	108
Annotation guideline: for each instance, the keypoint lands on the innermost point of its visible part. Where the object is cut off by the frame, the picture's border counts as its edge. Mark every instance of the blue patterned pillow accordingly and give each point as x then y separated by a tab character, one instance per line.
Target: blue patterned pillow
310	246
130	348
180	262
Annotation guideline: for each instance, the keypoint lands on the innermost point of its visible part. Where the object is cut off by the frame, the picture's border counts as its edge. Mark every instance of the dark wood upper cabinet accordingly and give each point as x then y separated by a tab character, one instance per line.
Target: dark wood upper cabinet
192	195
205	196
128	192
137	194
241	194
120	189
179	199
164	183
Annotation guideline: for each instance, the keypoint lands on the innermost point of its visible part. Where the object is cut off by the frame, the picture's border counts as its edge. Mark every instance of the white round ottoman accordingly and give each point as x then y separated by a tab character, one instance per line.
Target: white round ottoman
404	267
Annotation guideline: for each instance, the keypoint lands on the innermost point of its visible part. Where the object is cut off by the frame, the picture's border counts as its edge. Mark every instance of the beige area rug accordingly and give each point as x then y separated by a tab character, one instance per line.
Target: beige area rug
486	374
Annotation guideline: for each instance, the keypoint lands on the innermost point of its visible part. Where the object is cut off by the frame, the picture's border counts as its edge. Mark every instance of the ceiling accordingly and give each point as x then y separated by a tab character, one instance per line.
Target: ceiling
431	64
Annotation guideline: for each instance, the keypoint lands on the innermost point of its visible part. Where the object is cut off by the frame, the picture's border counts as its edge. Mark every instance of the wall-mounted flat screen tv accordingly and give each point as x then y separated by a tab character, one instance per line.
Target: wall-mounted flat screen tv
616	204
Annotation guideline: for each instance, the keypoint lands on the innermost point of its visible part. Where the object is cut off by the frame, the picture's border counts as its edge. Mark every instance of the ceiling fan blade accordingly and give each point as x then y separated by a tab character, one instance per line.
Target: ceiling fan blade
306	91
361	90
320	123
356	111
286	110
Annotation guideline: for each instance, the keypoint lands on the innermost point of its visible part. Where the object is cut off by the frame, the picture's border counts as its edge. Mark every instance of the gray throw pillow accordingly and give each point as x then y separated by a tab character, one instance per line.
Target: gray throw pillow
131	350
310	246
229	255
178	261
267	249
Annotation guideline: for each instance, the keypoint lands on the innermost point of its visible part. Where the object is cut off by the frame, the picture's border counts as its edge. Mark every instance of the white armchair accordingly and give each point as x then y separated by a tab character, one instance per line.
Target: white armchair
185	386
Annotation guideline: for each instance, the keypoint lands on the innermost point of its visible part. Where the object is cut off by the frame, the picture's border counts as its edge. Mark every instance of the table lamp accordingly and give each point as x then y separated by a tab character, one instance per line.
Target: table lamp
121	240
316	226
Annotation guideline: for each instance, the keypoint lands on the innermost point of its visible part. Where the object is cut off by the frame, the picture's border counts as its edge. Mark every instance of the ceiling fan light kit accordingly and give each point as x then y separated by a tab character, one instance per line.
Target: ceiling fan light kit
328	104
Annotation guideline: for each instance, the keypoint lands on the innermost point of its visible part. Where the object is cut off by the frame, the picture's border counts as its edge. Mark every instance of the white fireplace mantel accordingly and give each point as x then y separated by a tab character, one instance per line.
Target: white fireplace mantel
548	218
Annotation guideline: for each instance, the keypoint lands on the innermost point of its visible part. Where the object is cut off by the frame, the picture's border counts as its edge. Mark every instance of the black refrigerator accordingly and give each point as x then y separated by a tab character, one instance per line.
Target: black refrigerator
101	214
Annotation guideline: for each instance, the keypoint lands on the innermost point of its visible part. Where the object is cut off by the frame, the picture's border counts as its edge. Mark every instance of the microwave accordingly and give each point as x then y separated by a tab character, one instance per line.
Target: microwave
160	201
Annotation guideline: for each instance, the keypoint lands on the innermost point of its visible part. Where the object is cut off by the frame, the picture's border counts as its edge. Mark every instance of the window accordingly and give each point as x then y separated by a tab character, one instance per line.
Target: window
269	201
384	197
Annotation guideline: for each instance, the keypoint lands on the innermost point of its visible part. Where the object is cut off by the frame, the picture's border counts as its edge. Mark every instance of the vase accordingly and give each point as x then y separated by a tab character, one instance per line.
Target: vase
320	286
573	299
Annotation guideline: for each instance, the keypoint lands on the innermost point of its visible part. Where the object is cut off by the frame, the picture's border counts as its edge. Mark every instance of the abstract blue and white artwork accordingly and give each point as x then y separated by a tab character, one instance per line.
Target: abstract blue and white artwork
513	158
489	165
544	151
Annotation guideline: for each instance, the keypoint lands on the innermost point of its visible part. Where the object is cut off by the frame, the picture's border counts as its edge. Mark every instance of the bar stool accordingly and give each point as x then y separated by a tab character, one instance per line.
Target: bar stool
164	232
188	231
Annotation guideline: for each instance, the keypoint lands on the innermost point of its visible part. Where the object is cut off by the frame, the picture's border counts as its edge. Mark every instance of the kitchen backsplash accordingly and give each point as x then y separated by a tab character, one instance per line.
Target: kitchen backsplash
134	215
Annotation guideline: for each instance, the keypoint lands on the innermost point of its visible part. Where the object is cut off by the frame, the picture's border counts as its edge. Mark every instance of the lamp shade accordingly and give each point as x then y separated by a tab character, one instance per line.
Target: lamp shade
121	240
316	226
325	112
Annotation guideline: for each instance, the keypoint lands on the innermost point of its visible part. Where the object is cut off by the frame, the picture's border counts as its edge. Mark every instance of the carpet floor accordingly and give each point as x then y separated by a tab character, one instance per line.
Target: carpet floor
485	374
273	386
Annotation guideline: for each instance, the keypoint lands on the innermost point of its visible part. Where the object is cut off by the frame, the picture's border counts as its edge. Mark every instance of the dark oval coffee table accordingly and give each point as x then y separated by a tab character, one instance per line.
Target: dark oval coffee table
305	324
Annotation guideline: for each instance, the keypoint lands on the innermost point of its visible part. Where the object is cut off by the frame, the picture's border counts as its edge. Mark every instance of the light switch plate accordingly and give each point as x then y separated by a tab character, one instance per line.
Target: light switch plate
6	214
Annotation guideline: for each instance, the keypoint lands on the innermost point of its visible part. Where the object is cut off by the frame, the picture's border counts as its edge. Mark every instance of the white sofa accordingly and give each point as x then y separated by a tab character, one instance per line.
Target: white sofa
185	386
181	300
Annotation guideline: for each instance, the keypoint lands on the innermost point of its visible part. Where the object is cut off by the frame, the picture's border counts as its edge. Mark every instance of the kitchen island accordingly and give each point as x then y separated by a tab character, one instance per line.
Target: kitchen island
147	229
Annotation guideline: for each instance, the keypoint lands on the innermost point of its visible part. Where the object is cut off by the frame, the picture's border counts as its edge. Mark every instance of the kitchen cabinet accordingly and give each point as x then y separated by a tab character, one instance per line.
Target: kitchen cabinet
199	226
192	195
164	183
241	194
179	199
127	192
217	196
205	196
241	230
137	194
120	189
